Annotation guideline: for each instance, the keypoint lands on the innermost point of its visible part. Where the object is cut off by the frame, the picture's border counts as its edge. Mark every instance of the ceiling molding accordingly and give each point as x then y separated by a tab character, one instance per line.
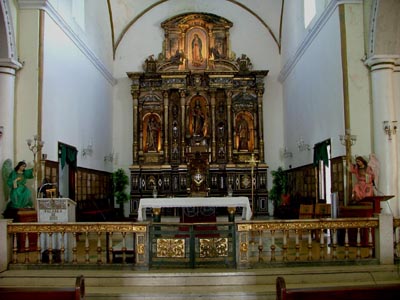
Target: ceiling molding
81	45
312	34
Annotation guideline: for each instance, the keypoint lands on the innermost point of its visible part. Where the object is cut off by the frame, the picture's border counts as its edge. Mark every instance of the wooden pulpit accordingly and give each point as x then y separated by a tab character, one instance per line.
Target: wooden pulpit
376	202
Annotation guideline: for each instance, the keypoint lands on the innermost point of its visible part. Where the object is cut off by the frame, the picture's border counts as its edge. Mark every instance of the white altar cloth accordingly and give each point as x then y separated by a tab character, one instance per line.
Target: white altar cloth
195	202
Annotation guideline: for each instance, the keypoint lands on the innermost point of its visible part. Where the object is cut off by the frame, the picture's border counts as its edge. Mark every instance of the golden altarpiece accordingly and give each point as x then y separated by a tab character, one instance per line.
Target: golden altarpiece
197	117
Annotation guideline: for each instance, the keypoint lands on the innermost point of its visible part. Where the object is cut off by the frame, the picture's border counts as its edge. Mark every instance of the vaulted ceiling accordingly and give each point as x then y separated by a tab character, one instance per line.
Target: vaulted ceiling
125	13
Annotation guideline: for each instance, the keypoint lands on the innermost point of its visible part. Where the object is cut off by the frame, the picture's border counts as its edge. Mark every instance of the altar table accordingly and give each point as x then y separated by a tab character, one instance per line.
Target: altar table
195	202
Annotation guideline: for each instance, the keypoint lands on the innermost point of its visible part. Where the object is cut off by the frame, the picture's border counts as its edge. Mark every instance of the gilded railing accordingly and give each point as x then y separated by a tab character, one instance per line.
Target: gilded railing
313	241
396	230
192	245
79	243
242	244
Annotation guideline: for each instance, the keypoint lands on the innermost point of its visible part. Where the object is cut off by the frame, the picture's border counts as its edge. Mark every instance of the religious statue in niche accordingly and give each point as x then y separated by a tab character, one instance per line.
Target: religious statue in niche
152	133
198	118
242	132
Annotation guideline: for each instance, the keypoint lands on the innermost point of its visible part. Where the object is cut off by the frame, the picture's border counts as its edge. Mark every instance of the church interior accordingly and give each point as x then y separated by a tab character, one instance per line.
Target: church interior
143	119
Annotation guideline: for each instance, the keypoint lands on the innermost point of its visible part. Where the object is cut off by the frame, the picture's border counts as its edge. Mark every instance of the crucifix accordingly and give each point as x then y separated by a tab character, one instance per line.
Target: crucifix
252	162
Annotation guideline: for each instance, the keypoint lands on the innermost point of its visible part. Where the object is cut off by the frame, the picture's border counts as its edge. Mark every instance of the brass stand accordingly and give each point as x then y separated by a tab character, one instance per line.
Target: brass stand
252	162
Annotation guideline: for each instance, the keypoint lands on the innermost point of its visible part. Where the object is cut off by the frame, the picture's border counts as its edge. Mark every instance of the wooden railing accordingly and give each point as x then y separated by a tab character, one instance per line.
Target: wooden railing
242	244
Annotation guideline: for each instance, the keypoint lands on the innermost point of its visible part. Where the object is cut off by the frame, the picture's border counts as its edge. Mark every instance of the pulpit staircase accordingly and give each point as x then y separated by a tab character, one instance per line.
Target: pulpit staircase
210	284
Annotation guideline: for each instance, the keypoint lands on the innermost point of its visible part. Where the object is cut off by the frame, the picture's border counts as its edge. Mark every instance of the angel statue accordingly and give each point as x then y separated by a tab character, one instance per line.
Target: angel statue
20	196
366	174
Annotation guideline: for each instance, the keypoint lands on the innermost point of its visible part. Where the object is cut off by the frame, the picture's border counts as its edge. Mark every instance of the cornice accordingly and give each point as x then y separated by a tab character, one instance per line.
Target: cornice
59	20
312	34
378	62
10	63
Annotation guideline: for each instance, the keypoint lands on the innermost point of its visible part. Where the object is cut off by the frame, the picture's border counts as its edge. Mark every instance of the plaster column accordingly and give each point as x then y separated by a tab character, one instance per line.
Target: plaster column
384	237
383	109
395	205
135	126
7	87
5	245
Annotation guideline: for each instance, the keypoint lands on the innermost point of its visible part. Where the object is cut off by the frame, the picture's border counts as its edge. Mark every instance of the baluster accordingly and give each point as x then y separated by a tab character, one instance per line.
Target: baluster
39	248
284	246
50	247
346	244
309	245
297	246
260	246
99	259
87	248
123	247
273	246
110	245
26	247
62	248
358	255
15	249
74	248
370	243
334	243
321	244
397	244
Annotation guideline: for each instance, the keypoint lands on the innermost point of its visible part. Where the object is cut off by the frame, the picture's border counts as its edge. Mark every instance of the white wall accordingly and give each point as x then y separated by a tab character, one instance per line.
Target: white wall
314	95
77	100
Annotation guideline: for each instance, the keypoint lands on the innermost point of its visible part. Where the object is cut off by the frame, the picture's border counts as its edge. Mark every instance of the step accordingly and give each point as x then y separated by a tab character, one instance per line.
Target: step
203	284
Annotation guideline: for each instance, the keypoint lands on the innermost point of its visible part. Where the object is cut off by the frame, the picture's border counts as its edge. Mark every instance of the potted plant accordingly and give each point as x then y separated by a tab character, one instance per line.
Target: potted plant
120	182
279	186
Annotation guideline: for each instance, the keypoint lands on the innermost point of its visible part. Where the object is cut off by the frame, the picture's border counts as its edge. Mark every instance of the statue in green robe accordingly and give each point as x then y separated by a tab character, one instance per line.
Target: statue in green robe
20	195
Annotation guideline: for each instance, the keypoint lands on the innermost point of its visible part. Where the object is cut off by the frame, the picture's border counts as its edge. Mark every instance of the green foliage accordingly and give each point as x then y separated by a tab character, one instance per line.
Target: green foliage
279	186
120	182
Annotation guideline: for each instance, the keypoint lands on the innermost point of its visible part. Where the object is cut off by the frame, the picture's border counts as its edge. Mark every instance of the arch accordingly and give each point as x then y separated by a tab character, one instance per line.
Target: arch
7	37
384	34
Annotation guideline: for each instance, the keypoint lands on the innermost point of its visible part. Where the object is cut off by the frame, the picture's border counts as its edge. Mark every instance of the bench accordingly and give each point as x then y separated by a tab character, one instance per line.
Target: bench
45	293
355	292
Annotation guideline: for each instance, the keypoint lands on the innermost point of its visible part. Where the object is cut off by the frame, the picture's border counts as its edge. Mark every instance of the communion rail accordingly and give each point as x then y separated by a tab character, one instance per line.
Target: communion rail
244	244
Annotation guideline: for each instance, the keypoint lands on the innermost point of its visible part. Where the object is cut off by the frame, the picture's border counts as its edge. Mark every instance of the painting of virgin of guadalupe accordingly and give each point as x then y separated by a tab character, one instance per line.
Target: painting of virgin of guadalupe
197	47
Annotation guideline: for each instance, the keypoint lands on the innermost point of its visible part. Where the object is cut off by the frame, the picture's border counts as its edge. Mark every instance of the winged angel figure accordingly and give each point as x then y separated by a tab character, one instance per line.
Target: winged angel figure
15	189
366	174
6	171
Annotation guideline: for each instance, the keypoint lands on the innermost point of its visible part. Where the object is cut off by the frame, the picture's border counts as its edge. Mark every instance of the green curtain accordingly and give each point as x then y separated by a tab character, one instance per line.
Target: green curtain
68	155
321	153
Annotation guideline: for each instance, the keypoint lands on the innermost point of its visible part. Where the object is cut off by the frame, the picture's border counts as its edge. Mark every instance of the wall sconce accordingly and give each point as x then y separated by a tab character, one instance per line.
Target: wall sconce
348	137
35	145
287	153
1	130
302	146
88	150
390	129
109	157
